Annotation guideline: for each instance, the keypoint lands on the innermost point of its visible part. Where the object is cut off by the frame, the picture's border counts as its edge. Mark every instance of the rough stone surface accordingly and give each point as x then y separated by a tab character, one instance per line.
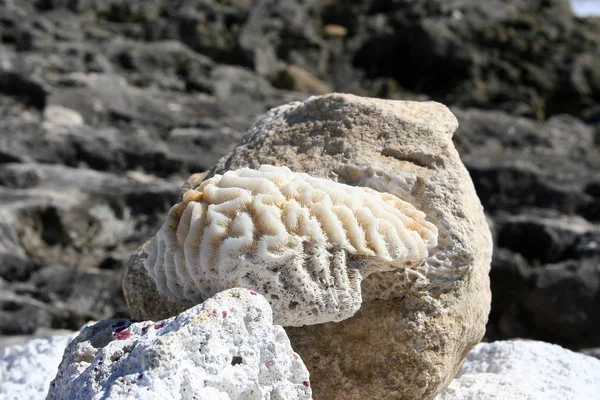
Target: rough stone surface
65	234
225	348
27	370
525	370
415	325
138	286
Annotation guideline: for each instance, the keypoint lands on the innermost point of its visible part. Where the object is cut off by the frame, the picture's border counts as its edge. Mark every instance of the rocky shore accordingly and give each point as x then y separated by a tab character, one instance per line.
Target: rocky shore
107	107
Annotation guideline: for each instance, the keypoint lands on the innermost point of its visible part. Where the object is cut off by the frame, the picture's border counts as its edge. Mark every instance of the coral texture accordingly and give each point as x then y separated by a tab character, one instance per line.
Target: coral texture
225	348
305	243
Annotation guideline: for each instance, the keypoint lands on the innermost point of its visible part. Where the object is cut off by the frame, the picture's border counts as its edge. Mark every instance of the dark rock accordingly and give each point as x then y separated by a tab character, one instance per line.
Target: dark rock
586	245
73	216
106	98
508	276
537	181
31	92
562	303
543	240
86	294
22	314
115	261
282	31
169	65
515	55
14	268
517	164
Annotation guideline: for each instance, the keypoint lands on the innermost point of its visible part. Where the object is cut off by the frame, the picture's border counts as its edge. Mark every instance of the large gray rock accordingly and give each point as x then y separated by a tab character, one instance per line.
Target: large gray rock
225	348
64	241
416	324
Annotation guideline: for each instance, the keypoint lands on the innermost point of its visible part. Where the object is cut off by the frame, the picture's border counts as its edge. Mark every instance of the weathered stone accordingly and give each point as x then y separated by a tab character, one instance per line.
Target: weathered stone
225	348
60	228
142	299
416	324
525	370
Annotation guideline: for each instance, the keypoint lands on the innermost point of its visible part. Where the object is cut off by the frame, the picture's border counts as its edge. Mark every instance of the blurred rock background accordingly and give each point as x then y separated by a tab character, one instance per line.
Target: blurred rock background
106	107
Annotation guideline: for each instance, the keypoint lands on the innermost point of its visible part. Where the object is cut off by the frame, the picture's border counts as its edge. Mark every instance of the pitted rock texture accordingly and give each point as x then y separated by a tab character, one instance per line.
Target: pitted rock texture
525	370
415	325
225	348
303	242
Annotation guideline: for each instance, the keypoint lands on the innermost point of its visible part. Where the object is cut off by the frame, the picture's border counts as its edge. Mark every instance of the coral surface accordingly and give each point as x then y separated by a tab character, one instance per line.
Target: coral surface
305	243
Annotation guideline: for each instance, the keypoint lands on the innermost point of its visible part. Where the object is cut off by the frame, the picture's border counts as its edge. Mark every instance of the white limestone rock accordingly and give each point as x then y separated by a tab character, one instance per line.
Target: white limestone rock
525	370
27	370
305	243
224	348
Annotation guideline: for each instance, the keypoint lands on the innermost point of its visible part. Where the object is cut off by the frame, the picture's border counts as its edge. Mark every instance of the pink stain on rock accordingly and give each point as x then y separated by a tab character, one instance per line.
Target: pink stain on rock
270	363
295	356
306	383
159	325
224	313
253	293
145	329
122	334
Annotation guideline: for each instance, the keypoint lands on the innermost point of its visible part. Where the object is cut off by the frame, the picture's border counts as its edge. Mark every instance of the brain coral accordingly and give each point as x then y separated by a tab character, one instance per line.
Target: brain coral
305	243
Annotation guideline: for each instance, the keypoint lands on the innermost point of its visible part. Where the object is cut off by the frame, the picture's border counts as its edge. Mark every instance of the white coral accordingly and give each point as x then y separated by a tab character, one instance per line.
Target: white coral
305	243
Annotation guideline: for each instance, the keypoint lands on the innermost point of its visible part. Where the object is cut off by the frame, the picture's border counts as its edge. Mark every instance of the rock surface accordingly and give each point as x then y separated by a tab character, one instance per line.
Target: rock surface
136	287
433	314
225	348
525	370
65	241
216	66
538	183
425	318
